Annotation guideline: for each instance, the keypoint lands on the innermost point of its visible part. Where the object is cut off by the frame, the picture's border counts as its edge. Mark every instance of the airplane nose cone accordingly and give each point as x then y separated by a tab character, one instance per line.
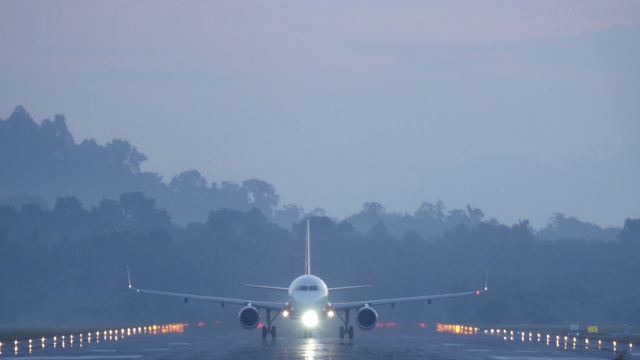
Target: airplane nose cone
308	302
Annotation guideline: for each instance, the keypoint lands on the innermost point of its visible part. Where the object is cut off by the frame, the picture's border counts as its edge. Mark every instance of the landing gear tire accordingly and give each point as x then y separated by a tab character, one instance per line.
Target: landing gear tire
342	332
264	332
350	332
273	333
307	334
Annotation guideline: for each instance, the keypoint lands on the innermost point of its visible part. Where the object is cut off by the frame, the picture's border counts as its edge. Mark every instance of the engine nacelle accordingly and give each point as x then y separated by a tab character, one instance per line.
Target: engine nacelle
249	317
366	318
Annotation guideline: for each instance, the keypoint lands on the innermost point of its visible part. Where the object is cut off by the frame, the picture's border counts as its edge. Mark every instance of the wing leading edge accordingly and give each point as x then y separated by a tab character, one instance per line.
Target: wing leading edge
222	300
359	304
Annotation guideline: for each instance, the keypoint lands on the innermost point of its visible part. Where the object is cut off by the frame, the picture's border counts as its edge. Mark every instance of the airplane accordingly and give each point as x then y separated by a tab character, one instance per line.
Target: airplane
308	302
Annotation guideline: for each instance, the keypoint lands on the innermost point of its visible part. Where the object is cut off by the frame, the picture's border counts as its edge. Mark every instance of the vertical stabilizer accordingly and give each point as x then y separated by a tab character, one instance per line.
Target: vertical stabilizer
307	268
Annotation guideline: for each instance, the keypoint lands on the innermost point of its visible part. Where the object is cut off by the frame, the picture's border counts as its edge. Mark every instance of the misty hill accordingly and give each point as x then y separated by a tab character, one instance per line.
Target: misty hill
41	162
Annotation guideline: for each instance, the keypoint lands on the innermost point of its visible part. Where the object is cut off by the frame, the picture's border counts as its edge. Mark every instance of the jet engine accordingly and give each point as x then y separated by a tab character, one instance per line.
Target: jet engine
366	318
249	317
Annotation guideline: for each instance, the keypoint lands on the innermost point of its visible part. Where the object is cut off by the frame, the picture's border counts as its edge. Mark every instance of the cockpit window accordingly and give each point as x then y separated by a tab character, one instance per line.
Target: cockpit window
307	288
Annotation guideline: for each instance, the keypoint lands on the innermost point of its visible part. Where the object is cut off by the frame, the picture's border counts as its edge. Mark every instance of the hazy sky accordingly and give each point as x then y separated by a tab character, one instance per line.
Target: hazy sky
520	108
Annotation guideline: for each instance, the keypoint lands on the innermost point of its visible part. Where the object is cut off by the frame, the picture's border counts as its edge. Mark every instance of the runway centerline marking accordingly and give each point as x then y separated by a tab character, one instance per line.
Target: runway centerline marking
103	350
180	343
476	350
452	344
156	349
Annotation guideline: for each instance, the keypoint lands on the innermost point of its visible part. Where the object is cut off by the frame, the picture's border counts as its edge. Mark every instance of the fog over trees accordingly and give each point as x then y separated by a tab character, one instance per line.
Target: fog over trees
43	161
72	216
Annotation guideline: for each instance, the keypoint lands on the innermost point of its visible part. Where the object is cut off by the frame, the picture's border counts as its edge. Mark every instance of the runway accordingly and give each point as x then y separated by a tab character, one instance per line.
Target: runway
193	342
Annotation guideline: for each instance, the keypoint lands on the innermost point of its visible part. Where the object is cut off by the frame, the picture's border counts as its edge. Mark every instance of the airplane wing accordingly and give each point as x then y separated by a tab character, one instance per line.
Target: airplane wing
222	300
268	287
359	304
347	287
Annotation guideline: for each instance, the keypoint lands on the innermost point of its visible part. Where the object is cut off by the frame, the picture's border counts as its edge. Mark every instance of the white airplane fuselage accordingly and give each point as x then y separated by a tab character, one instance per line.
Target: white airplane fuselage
308	293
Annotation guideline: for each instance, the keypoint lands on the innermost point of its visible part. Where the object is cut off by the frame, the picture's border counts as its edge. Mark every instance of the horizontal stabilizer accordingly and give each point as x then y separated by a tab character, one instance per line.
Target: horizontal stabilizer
268	287
348	287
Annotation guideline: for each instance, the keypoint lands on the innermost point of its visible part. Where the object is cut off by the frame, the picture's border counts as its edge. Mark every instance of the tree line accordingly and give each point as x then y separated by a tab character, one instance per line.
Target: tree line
68	264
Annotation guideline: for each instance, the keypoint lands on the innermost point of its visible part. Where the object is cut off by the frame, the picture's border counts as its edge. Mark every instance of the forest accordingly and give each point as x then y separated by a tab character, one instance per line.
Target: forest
73	216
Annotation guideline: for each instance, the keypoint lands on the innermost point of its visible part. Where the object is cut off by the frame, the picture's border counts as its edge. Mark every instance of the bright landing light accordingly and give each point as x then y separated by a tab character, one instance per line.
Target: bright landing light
310	319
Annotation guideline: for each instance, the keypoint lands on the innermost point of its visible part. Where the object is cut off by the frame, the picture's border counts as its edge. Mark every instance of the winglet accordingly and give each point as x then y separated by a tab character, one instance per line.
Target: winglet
307	270
129	276
486	282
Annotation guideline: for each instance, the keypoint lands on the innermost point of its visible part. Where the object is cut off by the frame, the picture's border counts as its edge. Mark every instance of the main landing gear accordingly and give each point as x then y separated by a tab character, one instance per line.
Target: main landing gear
268	329
346	329
344	332
307	333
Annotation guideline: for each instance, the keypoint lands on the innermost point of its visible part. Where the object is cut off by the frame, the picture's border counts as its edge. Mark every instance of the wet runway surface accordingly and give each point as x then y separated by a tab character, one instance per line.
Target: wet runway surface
202	343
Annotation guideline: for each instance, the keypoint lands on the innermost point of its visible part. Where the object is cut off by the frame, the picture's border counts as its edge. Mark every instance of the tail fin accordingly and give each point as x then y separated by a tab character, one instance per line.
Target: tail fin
307	269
